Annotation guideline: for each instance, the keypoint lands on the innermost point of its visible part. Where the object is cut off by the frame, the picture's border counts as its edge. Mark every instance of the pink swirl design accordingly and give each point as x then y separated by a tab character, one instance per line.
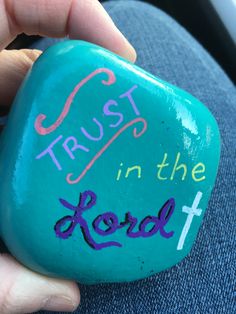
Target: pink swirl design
90	164
41	117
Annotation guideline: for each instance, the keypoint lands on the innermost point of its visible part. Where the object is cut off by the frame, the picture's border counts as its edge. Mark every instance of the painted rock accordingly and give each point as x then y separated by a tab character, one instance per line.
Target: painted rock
106	170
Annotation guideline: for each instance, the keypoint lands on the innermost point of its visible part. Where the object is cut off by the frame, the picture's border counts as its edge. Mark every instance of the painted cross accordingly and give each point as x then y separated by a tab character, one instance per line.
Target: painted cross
191	211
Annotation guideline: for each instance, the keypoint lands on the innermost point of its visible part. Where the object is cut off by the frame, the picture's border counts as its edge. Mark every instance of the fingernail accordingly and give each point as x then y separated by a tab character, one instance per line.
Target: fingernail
128	51
59	303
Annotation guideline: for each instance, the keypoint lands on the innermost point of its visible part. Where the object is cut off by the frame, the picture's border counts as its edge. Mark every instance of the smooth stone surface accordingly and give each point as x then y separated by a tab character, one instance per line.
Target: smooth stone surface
106	171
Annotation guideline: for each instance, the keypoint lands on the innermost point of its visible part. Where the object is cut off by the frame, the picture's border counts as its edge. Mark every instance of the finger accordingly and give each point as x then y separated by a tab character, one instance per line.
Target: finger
14	65
22	291
80	19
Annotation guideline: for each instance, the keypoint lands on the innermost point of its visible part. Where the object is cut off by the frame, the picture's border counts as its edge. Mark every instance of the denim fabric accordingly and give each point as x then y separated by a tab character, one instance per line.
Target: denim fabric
205	281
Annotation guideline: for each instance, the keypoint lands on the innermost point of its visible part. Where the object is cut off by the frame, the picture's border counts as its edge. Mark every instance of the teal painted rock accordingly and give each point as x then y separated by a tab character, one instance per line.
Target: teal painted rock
106	170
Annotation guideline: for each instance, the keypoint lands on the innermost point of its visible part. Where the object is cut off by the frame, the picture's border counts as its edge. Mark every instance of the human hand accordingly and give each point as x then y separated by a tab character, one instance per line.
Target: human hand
21	290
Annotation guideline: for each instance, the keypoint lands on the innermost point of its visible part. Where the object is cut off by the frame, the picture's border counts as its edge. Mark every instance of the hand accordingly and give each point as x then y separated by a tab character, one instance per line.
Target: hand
21	290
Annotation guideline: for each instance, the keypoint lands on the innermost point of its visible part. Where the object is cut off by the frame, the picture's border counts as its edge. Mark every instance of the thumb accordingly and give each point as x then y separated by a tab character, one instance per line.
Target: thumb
23	291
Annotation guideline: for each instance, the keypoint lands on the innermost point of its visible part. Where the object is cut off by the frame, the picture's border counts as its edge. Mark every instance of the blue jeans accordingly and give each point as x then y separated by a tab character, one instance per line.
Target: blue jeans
205	281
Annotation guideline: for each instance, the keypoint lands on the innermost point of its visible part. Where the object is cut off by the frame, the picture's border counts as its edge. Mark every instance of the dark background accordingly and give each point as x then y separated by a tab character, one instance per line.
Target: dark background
200	19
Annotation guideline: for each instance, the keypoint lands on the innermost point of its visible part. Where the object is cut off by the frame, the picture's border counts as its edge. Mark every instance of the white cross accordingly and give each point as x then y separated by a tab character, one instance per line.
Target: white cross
191	211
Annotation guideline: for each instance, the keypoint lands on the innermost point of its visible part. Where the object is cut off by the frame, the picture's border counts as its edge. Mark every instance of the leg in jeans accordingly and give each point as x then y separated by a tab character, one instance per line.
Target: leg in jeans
204	282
